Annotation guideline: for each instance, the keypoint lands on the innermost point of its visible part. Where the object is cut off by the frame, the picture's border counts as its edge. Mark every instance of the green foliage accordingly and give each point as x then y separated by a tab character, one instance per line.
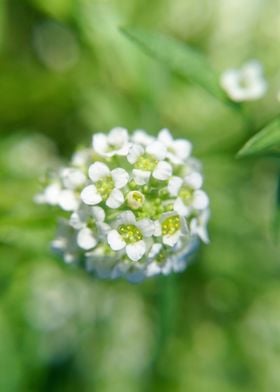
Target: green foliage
265	142
179	57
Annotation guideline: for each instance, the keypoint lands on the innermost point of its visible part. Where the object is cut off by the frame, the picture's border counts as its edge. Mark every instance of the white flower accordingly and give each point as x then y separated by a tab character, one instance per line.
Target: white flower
171	227
149	161
72	178
188	195
90	225
130	235
106	185
178	150
198	225
115	143
54	194
246	83
141	137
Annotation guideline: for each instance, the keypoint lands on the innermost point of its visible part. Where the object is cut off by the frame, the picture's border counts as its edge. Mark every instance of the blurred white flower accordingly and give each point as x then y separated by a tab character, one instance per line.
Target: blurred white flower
246	83
129	216
178	150
115	143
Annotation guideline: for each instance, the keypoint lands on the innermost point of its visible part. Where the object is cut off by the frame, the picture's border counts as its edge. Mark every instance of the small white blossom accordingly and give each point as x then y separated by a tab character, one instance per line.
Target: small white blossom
246	83
149	160
171	227
64	191
106	185
130	235
115	143
189	196
177	150
135	205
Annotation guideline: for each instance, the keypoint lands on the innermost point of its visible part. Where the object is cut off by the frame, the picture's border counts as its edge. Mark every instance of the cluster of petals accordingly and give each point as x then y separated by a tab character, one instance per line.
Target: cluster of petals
135	203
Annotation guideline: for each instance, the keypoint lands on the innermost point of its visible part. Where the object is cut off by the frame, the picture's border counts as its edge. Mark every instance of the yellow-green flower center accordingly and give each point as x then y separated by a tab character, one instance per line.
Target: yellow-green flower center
186	194
105	186
130	233
146	162
171	225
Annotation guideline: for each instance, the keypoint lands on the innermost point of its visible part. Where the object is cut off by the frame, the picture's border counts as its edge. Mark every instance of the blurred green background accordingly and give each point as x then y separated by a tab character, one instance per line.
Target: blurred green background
65	72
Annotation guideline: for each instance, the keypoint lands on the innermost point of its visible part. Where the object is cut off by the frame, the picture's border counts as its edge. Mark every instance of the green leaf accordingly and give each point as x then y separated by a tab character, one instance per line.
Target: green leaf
179	58
265	142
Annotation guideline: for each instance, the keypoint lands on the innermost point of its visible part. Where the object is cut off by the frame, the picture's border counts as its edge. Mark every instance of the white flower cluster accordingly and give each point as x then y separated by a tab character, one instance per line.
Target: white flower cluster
134	205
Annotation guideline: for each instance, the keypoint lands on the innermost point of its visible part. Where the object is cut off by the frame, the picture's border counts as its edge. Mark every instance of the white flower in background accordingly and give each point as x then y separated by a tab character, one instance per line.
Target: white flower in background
178	150
246	83
106	185
130	235
135	205
115	143
149	160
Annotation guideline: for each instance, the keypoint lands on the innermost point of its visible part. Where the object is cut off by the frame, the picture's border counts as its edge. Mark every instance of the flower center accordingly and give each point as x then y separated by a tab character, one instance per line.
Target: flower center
105	186
130	233
170	225
146	162
186	194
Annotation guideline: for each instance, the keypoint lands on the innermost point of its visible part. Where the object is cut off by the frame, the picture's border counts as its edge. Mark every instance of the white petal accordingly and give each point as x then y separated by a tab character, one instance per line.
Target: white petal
115	199
120	177
165	137
153	269
182	148
157	231
98	213
200	200
147	227
80	157
141	177
171	240
141	137
126	217
115	240
162	171
157	150
199	229
67	200
134	152
78	219
136	251
194	180
155	249
180	207
85	239
72	178
51	194
174	185
98	170
90	196
99	143
118	136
